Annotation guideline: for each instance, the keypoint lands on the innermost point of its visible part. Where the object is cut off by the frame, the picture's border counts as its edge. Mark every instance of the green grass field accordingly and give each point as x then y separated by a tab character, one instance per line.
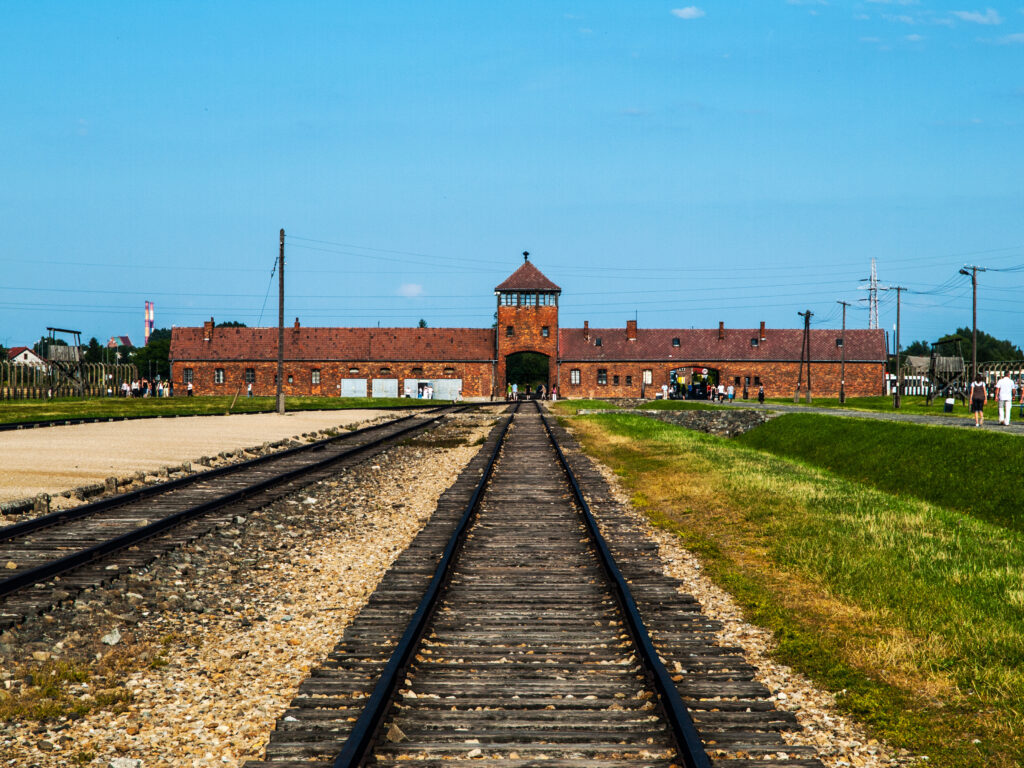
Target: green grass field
911	611
15	411
913	404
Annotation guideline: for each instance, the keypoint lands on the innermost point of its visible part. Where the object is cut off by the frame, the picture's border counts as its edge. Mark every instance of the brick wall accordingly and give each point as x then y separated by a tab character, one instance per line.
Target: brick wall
779	379
477	377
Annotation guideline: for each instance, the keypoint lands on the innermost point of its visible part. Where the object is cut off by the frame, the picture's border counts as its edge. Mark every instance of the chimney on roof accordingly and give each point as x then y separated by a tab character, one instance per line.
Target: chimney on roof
762	331
208	330
721	330
586	330
296	323
631	330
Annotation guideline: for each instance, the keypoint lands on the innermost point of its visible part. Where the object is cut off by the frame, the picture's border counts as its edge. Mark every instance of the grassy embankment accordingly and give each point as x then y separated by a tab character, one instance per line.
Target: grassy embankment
889	561
12	411
913	404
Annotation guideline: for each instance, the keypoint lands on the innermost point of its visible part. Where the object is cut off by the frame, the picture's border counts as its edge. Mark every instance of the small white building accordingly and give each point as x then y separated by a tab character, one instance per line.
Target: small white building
24	356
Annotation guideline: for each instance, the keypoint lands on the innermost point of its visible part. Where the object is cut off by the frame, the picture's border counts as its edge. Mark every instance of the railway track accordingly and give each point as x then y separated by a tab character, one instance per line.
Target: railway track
48	559
513	632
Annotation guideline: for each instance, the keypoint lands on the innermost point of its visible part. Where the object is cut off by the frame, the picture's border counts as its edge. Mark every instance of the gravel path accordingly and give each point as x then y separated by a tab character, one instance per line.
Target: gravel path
215	639
56	459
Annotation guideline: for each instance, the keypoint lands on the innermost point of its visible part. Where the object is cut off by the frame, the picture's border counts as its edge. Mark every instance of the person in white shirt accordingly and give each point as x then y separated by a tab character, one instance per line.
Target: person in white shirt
1004	394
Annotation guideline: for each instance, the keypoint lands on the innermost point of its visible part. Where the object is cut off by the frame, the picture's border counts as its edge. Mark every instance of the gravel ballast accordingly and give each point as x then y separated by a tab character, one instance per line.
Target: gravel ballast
215	639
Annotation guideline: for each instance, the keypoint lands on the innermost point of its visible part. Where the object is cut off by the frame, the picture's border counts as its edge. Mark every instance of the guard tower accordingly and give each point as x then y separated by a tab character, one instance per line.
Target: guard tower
527	321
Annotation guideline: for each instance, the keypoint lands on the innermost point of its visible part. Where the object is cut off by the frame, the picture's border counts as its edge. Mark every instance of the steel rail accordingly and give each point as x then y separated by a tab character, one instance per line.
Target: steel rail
87	555
16	425
691	748
366	727
85	510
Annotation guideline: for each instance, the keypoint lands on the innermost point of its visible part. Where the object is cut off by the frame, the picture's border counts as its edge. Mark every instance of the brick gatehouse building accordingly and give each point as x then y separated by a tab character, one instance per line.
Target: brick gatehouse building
582	362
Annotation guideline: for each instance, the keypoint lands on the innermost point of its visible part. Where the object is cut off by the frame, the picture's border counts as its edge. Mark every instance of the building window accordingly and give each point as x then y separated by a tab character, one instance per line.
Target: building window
291	379
754	342
545	331
597	342
385	371
574	376
602	376
218	375
449	371
417	371
316	376
648	376
629	381
615	380
757	381
510	331
353	370
250	375
187	376
736	381
839	342
675	342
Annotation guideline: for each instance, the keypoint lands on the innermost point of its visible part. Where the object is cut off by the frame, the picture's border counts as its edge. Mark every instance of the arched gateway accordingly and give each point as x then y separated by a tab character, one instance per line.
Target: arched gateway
527	323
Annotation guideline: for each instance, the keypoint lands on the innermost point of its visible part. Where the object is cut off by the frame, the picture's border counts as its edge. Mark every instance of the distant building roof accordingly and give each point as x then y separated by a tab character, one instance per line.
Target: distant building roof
704	345
29	354
528	278
325	344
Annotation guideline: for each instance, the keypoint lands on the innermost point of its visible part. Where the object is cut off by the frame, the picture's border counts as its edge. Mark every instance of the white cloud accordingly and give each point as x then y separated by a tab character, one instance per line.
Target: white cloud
689	12
1015	39
410	290
915	38
894	2
990	16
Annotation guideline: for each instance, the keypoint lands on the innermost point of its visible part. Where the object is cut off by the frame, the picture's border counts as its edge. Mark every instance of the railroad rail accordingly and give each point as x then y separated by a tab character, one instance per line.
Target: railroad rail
16	425
516	631
46	558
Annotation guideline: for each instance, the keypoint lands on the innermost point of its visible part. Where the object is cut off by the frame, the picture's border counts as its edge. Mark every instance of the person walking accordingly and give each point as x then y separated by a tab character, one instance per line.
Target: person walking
515	391
731	392
979	396
721	392
1004	397
188	389
248	389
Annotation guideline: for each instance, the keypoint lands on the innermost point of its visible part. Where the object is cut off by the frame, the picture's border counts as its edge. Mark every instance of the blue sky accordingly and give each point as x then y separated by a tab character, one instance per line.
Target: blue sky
733	161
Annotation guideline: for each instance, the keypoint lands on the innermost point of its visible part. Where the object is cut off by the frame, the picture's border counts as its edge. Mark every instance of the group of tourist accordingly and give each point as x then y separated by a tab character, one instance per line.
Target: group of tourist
142	388
539	393
1004	390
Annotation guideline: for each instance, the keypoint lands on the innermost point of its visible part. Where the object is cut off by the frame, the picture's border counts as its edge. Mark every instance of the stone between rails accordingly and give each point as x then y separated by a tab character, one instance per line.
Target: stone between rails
724	422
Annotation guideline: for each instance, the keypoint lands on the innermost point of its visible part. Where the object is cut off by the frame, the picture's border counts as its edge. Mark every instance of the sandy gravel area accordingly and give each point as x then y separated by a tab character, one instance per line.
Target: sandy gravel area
55	459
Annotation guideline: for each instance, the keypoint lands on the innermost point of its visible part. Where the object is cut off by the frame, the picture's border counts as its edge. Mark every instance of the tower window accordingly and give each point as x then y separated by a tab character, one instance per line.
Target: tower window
545	331
510	331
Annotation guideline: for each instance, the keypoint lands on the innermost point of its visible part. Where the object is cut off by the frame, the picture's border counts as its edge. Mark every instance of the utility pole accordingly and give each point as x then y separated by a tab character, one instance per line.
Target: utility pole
842	365
899	371
973	274
805	346
280	327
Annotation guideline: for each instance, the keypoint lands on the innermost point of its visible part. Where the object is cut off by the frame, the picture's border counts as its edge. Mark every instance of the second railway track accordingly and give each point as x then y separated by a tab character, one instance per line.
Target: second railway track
536	647
48	559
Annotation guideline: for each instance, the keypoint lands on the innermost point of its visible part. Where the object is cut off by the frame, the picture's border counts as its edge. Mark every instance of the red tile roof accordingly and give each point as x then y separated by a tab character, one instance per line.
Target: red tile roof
703	345
527	278
13	352
370	344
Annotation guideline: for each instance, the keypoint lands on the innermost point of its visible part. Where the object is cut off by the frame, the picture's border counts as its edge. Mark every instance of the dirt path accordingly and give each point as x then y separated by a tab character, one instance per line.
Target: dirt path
54	459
